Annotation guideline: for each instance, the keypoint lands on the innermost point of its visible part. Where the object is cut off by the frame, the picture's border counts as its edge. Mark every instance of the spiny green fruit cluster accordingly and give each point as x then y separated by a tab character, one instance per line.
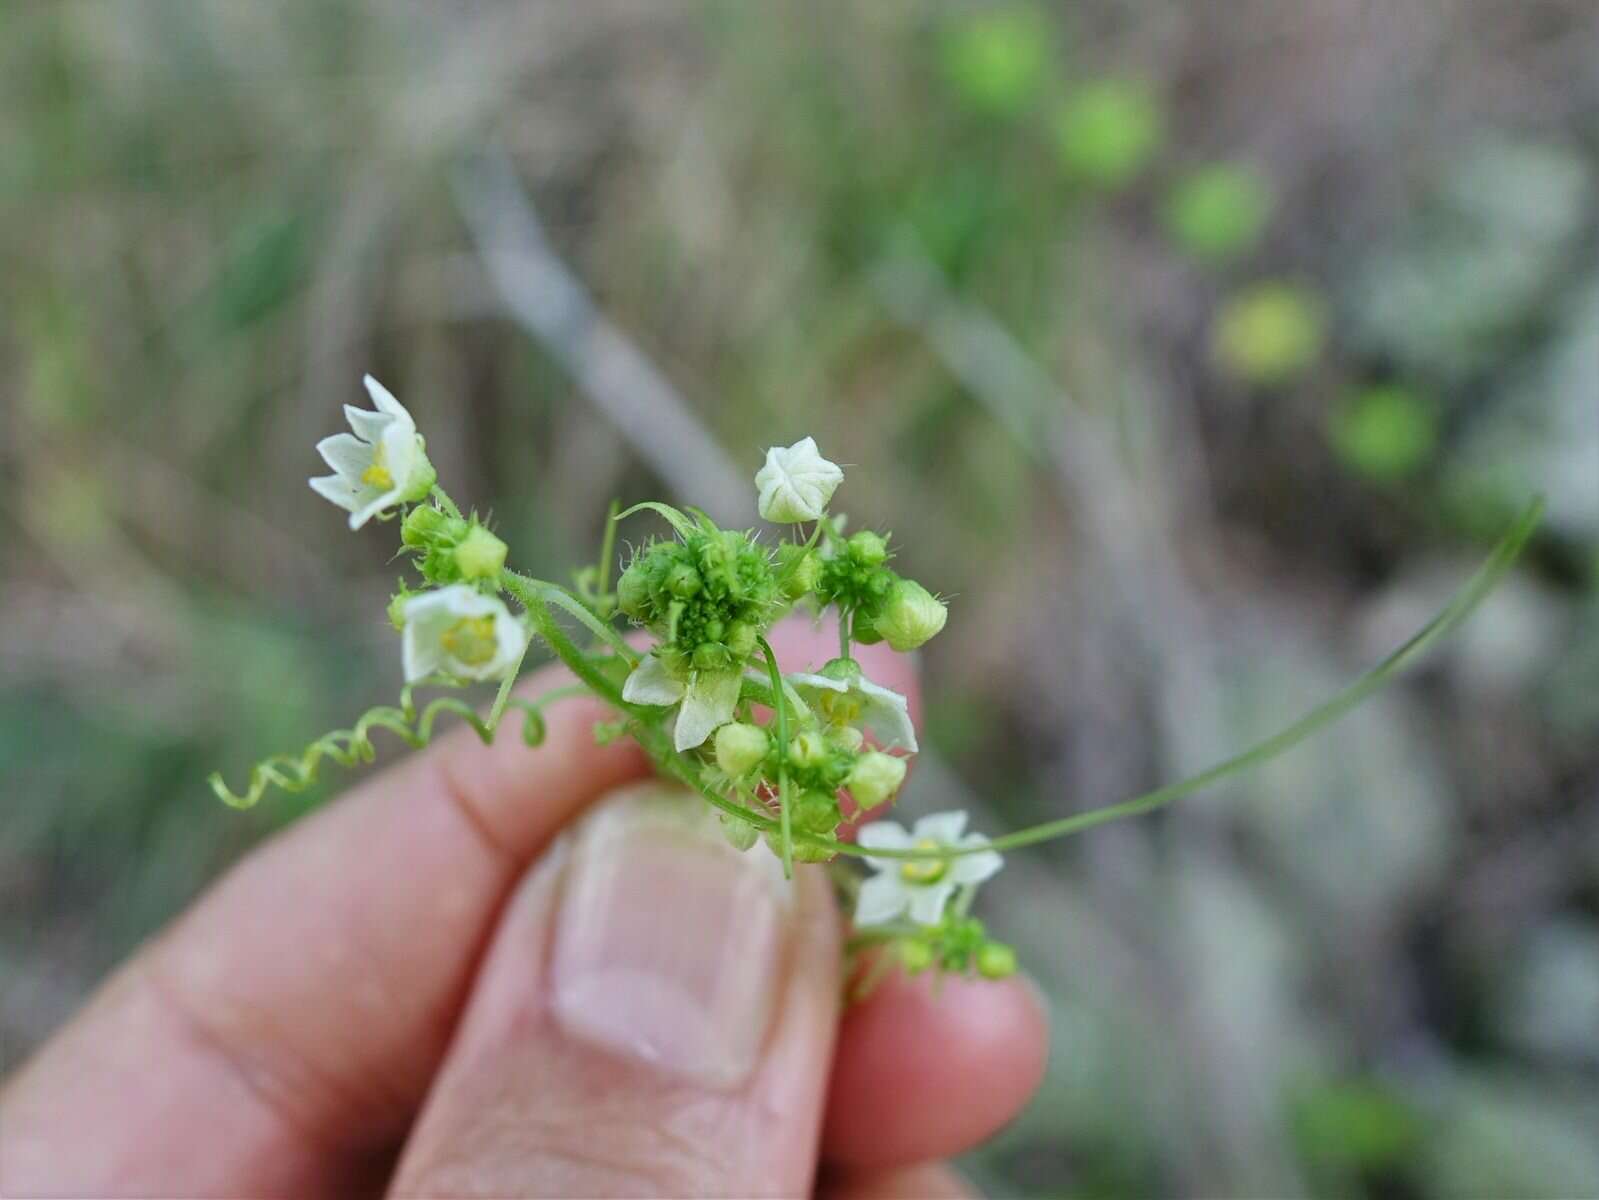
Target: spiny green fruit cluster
960	945
885	606
708	597
451	549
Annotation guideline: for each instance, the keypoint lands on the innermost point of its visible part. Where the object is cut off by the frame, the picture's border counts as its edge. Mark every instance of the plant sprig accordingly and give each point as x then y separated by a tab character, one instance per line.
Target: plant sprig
707	597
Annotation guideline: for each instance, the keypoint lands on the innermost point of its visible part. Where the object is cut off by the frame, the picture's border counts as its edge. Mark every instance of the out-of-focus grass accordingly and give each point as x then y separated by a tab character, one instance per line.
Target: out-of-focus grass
215	216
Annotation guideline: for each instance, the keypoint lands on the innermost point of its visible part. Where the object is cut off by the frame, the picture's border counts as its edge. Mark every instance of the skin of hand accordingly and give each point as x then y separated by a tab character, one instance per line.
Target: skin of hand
495	971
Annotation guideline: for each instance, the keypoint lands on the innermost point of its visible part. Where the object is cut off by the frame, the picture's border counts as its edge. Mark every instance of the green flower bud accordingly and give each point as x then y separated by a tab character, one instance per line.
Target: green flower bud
915	955
846	738
815	812
683	581
802	570
843	670
875	778
740	748
863	631
910	616
712	656
740	639
868	548
397	608
808	749
428	526
741	834
996	960
480	555
633	591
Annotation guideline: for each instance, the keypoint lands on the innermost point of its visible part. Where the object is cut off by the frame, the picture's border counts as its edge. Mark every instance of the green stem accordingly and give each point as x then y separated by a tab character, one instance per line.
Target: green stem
780	708
607	550
445	502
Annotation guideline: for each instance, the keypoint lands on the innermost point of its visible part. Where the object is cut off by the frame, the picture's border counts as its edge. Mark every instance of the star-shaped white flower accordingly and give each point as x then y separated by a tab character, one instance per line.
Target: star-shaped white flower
707	700
796	483
461	632
920	887
883	713
379	466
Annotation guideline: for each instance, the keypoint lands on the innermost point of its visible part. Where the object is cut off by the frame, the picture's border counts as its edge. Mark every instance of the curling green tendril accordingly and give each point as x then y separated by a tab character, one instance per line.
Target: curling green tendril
353	747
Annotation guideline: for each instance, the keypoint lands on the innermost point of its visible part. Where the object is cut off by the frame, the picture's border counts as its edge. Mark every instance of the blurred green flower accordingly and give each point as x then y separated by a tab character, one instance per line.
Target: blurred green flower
1106	132
1384	432
1218	212
996	60
1269	333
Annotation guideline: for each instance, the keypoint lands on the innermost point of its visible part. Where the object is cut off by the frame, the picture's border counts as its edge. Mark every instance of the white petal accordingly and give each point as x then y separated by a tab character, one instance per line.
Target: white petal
882	898
421	651
943	828
888	716
884	835
974	868
707	706
801	679
337	489
368	426
380	502
385	401
513	638
650	684
402	453
796	483
928	903
346	454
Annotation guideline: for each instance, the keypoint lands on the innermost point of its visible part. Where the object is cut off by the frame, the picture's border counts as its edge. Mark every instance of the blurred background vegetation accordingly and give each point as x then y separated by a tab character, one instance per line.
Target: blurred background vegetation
1197	350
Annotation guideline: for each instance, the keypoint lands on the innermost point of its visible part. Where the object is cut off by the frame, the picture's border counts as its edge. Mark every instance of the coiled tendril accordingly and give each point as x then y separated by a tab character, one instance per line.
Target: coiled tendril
353	747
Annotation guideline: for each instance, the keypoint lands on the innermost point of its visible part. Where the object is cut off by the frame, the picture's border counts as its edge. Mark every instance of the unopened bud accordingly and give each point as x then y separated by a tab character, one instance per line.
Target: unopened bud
683	581
633	591
875	778
480	554
802	571
816	812
915	955
741	834
996	960
808	749
740	748
868	548
910	617
428	526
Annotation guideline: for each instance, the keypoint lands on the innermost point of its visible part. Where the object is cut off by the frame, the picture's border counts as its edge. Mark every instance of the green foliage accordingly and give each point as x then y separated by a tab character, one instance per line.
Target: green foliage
1270	333
1218	212
997	60
1385	432
1107	132
1354	1123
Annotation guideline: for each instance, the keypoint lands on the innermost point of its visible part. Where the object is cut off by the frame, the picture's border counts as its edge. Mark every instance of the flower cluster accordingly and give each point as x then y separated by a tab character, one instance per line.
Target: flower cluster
789	758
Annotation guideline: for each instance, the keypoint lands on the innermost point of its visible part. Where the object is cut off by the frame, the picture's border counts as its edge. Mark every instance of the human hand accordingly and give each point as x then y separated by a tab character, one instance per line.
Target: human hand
421	989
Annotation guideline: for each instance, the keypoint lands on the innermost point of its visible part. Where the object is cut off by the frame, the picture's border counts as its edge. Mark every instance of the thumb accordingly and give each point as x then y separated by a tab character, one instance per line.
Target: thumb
655	1018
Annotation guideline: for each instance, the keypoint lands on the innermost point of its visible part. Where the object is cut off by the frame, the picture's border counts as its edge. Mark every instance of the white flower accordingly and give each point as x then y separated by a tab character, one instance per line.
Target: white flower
796	483
884	713
461	632
920	887
708	699
379	466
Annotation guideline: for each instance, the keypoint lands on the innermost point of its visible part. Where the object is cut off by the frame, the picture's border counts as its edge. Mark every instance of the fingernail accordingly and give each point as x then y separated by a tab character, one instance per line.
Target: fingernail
669	942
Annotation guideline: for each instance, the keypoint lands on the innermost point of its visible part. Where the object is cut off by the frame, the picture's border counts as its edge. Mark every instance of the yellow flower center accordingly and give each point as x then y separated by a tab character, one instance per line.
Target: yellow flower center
841	708
471	641
377	475
925	870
